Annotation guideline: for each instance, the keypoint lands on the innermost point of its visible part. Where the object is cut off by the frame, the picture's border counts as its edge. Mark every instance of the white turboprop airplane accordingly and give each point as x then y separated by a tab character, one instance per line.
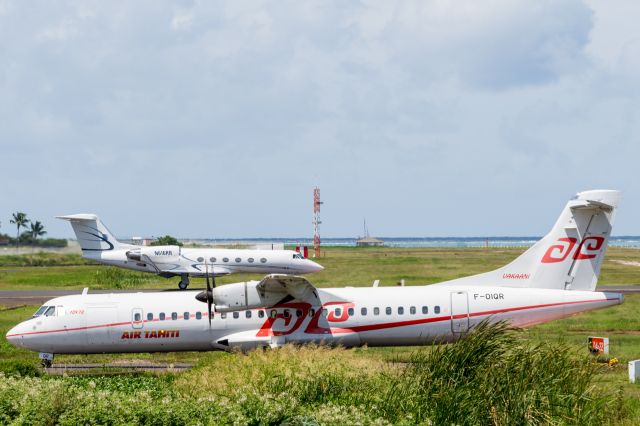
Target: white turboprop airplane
553	279
100	245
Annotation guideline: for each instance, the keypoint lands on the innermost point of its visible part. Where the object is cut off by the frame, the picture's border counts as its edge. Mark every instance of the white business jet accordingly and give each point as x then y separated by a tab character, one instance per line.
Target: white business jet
98	244
553	279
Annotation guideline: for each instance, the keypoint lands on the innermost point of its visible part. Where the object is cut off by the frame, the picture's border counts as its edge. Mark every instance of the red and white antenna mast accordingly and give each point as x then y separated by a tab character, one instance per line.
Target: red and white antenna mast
316	221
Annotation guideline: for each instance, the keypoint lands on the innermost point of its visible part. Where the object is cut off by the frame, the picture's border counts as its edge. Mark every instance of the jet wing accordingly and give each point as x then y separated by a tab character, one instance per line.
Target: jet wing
297	287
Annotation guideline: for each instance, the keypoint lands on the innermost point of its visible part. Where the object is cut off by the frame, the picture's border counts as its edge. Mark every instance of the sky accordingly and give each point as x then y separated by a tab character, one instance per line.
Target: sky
216	119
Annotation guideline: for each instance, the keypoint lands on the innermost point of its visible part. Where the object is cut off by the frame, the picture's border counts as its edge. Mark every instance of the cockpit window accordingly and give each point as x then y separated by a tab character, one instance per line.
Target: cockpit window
50	312
298	256
40	311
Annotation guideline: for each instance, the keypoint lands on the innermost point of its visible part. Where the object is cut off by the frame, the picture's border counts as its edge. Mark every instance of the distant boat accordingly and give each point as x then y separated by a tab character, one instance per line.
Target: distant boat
368	240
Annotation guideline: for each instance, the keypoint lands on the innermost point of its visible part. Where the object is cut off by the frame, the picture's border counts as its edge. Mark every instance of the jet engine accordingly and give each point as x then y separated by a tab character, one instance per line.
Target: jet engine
240	296
155	254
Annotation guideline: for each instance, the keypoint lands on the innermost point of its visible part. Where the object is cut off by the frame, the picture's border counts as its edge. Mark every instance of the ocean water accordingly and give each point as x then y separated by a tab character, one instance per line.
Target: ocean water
436	242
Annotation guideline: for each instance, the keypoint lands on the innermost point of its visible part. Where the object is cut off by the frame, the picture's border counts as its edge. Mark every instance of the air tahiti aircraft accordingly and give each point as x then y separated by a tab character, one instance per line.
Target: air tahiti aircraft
555	278
100	245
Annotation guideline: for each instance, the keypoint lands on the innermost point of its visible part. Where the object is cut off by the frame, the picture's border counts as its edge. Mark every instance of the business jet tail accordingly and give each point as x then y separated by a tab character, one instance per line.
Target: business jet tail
93	236
570	256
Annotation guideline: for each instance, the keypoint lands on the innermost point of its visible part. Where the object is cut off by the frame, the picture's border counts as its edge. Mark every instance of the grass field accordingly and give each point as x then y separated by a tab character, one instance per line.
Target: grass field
343	267
338	394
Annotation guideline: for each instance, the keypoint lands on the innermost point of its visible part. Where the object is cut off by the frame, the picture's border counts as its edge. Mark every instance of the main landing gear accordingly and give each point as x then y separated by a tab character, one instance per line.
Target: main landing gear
184	282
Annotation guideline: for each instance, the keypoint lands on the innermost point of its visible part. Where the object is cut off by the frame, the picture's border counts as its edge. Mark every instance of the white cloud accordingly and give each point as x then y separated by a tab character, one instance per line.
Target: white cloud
397	109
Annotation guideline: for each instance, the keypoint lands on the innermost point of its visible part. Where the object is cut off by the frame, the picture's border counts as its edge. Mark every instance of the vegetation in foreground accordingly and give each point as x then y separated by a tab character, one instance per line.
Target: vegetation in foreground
494	376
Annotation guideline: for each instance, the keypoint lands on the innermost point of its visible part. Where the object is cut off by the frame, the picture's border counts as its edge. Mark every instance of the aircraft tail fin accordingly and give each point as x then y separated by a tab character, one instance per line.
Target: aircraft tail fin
92	234
570	256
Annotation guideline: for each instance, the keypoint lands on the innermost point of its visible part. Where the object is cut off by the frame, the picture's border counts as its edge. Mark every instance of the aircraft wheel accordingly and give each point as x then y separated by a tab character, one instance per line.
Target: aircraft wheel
183	285
46	363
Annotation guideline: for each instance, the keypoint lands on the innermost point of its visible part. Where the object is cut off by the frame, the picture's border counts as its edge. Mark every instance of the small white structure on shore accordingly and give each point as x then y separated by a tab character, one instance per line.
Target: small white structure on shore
368	240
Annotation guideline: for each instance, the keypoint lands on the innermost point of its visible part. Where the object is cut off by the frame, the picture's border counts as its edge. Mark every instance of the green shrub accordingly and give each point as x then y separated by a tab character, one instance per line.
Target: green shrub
19	368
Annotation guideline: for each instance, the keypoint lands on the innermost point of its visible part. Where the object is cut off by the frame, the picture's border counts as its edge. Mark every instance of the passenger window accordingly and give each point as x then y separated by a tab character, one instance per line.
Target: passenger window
376	311
273	313
388	310
212	260
425	310
363	311
236	315
149	316
223	315
198	315
238	260
312	312
400	310
50	312
287	314
263	260
137	317
325	312
250	260
338	312
247	314
225	259
162	316
261	314
350	312
298	313
436	309
201	259
186	315
412	310
174	316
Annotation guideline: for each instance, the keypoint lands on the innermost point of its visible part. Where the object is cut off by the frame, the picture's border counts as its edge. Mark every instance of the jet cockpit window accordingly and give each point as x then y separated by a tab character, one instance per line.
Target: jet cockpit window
50	312
40	311
297	256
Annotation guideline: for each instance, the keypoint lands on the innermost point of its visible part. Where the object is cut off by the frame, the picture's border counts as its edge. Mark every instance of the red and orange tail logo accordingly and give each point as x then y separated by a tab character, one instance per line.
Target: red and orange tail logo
587	249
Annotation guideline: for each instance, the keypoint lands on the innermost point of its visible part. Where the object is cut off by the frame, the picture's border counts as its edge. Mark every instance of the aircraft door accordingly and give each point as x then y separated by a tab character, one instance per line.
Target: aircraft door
137	321
459	312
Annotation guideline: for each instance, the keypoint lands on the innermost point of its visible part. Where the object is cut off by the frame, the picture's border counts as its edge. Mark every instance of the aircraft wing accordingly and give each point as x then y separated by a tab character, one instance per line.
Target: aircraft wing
297	287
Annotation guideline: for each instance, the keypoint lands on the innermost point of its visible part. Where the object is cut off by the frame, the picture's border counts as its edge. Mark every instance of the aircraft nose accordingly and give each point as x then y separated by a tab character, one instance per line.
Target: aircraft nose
315	267
13	336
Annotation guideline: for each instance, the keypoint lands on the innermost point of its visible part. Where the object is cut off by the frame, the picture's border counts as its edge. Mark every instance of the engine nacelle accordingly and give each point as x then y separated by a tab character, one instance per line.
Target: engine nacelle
241	296
156	254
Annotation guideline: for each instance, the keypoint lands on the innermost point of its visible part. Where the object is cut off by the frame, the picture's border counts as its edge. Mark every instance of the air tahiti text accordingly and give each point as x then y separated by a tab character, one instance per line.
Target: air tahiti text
150	334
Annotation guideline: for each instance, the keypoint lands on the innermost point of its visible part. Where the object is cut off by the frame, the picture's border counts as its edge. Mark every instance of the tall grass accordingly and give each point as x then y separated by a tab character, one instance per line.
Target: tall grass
492	377
113	277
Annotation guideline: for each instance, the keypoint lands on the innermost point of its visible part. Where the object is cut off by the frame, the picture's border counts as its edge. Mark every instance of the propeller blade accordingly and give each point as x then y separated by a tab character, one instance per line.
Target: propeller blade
209	292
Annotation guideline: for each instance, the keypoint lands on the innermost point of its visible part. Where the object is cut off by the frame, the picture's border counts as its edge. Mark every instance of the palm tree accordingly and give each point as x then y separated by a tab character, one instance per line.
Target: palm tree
20	220
37	230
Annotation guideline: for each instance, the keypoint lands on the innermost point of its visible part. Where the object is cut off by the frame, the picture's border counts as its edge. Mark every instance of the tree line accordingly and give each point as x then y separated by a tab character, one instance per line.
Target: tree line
31	236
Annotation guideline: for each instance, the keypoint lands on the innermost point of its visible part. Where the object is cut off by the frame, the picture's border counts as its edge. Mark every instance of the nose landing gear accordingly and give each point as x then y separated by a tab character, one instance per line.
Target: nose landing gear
184	282
46	359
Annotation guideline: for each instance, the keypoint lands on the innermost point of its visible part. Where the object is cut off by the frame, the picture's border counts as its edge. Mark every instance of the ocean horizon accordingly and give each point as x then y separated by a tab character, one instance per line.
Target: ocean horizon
409	242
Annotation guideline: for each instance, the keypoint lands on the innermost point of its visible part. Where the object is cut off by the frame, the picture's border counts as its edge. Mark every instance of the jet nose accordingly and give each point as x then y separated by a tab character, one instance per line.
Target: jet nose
314	267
